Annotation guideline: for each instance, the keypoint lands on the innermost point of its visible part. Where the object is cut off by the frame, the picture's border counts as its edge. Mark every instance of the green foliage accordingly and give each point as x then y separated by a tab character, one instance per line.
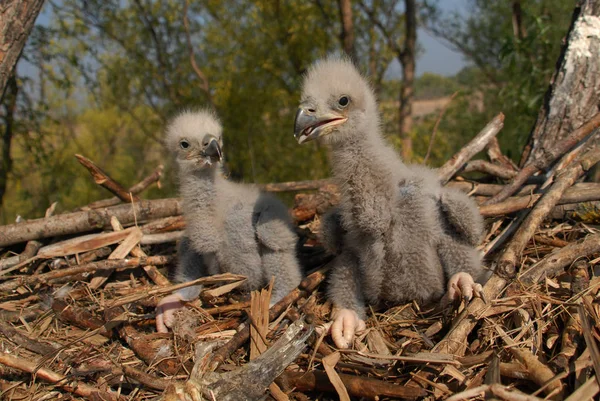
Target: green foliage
112	73
510	71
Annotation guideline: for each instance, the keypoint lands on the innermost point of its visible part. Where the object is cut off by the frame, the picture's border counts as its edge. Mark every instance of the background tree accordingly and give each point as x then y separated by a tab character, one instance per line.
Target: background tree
572	98
513	48
384	16
101	78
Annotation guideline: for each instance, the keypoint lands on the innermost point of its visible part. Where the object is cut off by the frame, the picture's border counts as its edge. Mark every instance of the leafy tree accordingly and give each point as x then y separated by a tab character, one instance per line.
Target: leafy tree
513	48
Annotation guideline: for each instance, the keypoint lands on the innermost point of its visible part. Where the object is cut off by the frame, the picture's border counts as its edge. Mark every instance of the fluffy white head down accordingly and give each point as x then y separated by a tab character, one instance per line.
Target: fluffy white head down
329	80
188	134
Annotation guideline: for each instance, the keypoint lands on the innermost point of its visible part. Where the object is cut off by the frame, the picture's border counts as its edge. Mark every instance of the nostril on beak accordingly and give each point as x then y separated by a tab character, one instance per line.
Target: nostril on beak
311	110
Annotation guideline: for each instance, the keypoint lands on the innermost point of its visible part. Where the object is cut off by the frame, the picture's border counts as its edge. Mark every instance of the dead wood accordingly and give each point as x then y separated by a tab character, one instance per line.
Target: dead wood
250	381
79	388
497	157
550	155
86	268
22	340
103	179
587	212
572	336
476	145
78	317
508	261
295	185
136	189
575	195
308	285
556	262
489	168
357	386
79	222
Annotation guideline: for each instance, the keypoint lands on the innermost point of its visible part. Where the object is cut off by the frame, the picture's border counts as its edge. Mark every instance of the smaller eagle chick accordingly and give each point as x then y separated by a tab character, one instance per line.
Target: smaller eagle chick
398	234
230	227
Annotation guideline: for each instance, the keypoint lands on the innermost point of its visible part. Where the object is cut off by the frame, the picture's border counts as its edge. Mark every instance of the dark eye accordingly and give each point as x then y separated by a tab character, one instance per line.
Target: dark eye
184	144
344	100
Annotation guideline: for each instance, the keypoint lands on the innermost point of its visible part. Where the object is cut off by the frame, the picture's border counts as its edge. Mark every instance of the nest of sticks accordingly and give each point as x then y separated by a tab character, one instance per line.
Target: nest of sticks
78	292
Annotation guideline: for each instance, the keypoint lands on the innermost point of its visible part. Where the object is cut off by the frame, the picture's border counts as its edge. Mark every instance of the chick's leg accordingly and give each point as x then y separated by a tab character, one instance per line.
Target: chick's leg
166	308
463	285
346	294
190	267
462	264
346	324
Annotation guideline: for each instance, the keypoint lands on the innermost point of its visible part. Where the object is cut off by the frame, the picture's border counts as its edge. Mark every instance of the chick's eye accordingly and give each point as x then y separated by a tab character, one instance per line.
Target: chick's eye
343	101
184	144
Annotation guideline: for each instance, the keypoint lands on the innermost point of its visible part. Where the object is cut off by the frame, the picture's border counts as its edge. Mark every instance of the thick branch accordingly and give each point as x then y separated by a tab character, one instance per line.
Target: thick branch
572	99
476	145
78	222
16	22
136	189
508	261
547	158
101	178
47	375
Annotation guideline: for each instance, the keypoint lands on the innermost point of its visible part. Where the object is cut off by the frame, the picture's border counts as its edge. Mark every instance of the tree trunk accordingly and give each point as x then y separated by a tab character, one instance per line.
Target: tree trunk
16	21
407	59
347	34
519	31
10	105
572	98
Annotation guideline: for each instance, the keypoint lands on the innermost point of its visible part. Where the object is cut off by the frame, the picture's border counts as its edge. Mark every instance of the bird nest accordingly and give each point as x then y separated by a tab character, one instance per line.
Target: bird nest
78	292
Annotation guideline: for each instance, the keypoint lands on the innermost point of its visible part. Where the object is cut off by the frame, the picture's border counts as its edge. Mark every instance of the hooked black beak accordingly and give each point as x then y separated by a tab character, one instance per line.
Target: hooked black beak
309	126
213	149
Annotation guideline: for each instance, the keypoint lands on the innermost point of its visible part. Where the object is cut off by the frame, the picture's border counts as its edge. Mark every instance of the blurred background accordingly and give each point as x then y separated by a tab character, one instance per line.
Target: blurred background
101	78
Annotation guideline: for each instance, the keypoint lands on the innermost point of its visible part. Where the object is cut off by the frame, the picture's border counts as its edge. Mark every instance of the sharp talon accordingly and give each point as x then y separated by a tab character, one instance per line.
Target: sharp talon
482	296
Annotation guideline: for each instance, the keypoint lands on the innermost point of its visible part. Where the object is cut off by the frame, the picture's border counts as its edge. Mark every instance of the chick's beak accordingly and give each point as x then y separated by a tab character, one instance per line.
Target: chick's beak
213	149
308	125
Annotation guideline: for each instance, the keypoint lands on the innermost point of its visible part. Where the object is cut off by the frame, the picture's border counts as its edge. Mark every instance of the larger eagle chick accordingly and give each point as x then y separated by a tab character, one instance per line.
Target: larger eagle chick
230	227
396	246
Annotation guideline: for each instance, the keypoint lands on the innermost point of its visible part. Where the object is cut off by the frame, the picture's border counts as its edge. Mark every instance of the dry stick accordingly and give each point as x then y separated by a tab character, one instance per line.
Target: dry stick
576	194
489	168
357	386
571	335
556	261
538	371
31	248
590	341
101	178
78	222
437	123
508	261
504	392
151	271
550	156
308	285
86	268
79	388
497	157
295	185
136	189
214	279
478	189
31	344
476	145
455	341
79	317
